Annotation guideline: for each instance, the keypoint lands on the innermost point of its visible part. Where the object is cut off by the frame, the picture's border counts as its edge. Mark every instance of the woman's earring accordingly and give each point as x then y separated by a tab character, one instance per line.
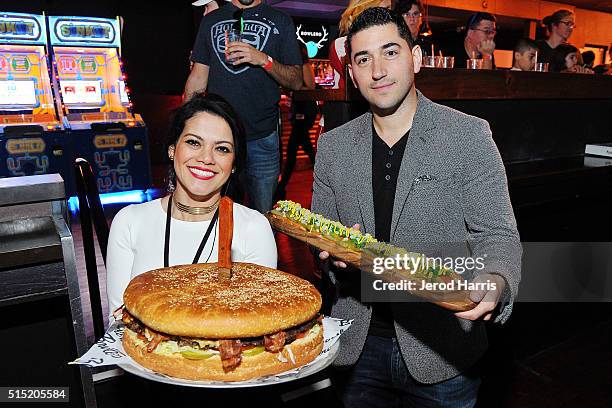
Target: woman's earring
234	170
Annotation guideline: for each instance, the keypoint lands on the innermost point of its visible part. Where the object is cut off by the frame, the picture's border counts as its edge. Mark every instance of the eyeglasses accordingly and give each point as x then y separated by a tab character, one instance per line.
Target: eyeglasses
487	32
569	24
412	15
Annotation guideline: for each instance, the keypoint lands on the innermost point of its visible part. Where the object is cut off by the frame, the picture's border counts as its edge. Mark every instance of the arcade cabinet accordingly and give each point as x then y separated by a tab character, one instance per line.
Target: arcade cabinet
95	102
32	137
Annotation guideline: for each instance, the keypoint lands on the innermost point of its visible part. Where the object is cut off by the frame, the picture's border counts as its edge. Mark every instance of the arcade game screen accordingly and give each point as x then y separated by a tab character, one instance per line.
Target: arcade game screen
91	84
25	88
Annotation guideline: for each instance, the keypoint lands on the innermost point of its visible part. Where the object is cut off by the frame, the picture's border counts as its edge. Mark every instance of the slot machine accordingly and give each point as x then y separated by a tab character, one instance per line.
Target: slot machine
32	137
95	103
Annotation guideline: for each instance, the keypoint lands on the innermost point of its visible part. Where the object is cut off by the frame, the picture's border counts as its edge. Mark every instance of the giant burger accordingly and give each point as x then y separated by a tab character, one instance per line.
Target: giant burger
184	322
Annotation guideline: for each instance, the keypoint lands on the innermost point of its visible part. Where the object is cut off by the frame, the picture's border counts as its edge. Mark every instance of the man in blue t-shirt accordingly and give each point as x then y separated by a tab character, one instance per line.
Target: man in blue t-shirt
267	56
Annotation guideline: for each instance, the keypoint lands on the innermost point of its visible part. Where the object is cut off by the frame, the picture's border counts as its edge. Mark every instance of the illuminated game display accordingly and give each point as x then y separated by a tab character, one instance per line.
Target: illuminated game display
95	102
32	138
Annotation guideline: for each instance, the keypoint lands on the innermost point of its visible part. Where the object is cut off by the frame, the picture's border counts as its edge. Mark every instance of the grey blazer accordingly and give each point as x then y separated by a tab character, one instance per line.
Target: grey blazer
451	187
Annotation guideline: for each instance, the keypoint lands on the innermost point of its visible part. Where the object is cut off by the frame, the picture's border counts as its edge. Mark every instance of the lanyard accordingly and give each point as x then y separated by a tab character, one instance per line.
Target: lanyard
202	244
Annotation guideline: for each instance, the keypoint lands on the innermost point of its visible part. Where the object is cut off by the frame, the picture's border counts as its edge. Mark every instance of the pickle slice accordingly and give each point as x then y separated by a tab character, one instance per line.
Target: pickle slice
254	351
197	354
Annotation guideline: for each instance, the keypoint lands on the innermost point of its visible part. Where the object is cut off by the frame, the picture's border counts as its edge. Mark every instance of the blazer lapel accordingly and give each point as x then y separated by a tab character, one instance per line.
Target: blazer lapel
362	171
412	162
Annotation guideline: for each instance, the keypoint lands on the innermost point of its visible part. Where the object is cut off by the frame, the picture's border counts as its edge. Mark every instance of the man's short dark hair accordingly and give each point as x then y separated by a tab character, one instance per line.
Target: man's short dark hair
476	18
525	44
404	6
377	16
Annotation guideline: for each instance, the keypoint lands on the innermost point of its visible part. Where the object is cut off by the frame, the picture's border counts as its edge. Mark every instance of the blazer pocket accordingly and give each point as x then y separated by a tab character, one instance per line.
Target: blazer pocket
430	181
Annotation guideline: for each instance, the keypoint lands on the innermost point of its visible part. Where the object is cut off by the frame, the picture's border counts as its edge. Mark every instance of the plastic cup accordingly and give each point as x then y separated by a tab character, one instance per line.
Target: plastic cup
428	61
448	62
474	63
541	67
231	35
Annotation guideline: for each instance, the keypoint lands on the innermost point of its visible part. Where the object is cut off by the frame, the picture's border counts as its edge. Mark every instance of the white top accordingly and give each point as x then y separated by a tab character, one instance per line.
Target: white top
136	243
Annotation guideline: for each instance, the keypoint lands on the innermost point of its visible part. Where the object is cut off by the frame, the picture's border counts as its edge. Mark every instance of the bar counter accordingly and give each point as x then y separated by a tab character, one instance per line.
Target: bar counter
462	84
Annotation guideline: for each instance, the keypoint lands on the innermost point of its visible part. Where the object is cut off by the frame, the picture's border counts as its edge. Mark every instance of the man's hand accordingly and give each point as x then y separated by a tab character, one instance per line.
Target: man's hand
243	53
487	299
323	255
487	47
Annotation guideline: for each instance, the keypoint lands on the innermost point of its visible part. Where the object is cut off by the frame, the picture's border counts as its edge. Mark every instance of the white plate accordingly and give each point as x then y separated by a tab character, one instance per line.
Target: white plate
313	367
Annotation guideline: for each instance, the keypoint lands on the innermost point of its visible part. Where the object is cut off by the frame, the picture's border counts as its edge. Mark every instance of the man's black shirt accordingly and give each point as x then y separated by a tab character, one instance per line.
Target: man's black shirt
386	162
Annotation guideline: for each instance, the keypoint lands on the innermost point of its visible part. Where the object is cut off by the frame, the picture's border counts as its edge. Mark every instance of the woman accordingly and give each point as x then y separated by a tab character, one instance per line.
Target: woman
337	51
412	12
207	148
566	59
560	26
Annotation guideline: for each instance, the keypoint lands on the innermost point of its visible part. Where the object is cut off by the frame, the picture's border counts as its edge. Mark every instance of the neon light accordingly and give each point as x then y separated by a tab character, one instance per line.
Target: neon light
123	197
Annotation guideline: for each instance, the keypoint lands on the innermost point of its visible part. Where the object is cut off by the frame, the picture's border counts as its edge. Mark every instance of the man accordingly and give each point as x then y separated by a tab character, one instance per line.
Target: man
524	55
478	41
267	56
412	171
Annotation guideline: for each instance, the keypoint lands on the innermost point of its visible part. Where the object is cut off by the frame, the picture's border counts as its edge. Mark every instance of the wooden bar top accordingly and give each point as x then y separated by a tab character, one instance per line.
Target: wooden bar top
465	84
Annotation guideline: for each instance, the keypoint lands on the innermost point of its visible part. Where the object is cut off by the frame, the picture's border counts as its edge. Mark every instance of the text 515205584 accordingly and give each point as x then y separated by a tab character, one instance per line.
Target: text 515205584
34	394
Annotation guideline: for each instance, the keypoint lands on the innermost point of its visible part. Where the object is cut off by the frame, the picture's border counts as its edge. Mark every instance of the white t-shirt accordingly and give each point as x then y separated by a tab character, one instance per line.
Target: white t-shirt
136	243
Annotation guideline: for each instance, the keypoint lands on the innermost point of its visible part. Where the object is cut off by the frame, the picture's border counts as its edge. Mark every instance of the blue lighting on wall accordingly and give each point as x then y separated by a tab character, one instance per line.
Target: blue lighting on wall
124	197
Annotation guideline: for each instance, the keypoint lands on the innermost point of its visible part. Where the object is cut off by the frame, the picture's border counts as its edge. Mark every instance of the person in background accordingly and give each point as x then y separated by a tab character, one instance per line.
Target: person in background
268	56
337	51
565	59
588	59
478	42
303	117
604	68
209	5
524	55
412	12
207	149
560	26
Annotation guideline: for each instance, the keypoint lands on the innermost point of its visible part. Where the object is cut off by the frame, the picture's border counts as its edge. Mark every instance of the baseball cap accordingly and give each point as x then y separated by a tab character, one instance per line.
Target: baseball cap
199	3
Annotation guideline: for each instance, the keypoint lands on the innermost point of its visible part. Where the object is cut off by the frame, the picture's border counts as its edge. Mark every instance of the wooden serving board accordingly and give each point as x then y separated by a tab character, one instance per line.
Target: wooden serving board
297	231
457	301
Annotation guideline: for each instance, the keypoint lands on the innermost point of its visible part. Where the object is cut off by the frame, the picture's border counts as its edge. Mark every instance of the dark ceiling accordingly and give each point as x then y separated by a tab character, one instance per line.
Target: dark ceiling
332	9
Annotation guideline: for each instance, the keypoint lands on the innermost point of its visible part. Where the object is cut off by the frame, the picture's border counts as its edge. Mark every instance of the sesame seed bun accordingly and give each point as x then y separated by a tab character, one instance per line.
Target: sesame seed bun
189	300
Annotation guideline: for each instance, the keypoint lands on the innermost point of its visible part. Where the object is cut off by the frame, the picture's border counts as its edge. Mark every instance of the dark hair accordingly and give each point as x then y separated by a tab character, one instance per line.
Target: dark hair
588	57
558	56
525	44
404	6
215	105
378	16
477	17
556	17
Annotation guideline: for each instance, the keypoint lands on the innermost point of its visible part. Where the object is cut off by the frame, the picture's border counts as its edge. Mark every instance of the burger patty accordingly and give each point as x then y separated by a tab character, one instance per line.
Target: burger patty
289	336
